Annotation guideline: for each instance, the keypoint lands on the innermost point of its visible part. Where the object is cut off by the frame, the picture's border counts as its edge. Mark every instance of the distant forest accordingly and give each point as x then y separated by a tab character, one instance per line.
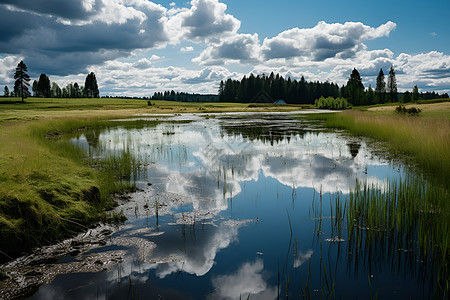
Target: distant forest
304	92
184	97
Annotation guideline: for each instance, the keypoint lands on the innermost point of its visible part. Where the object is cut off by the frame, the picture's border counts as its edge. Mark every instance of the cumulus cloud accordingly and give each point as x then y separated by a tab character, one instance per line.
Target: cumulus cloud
243	48
60	48
206	20
323	41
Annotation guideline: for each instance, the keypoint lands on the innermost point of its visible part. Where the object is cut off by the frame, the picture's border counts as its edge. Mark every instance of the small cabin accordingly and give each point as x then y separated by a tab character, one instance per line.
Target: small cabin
280	101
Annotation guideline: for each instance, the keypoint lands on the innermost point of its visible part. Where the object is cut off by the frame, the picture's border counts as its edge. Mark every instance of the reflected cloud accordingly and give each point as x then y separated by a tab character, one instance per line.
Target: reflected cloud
247	280
301	258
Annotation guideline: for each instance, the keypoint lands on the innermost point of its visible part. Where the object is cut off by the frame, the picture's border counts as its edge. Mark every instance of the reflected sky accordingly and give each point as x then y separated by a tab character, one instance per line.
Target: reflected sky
231	207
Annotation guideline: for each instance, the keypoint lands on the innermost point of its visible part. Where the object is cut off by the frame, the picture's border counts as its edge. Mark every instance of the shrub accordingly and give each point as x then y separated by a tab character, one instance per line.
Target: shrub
332	103
401	109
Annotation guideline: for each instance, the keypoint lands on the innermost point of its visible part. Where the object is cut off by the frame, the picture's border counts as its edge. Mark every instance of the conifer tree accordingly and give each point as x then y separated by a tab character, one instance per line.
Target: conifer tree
22	81
392	86
380	88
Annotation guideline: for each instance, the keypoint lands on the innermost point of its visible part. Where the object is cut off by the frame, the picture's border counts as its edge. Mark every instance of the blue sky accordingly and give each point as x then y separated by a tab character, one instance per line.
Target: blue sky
138	47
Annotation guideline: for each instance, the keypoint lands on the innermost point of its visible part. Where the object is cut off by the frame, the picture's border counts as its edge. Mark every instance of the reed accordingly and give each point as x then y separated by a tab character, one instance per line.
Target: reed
406	220
427	140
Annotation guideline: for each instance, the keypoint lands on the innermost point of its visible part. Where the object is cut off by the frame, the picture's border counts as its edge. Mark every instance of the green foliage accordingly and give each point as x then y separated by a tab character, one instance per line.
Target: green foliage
406	97
332	103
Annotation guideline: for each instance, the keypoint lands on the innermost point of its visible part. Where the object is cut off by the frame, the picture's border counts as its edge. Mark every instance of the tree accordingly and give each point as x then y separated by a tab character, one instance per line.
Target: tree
22	81
354	91
380	88
415	93
34	89
406	97
56	90
370	96
6	91
90	86
43	86
392	86
76	90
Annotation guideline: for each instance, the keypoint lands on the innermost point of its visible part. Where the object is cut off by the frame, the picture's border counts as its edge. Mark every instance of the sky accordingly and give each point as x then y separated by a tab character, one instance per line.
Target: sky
138	47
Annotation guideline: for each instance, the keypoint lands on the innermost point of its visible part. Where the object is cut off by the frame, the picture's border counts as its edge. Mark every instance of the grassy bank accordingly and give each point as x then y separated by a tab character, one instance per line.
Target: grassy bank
426	140
48	190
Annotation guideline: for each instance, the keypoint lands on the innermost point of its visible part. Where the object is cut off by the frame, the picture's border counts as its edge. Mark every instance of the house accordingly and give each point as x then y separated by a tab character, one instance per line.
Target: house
280	101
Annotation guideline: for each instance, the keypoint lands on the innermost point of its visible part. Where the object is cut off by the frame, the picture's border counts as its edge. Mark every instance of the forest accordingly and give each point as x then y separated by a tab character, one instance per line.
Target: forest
306	92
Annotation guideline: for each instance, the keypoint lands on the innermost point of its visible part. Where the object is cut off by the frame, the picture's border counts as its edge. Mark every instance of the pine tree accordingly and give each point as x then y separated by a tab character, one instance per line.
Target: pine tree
392	86
380	88
22	81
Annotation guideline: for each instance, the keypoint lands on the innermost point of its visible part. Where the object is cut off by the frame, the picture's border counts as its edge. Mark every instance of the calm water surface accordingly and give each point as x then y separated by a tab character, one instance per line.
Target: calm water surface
232	207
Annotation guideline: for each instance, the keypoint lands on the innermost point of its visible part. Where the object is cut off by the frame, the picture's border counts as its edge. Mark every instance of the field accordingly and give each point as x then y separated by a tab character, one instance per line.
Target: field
49	190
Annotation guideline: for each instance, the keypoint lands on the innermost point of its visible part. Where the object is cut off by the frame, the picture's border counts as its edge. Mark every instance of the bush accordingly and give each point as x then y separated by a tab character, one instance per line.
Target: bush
332	103
401	109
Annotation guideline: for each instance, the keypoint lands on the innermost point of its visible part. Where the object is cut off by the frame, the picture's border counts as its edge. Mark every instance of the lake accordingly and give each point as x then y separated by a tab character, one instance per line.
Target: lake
245	207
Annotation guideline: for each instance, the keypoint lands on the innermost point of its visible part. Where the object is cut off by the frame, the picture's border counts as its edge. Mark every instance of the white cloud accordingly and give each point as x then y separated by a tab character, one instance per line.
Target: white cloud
187	49
323	41
243	48
205	21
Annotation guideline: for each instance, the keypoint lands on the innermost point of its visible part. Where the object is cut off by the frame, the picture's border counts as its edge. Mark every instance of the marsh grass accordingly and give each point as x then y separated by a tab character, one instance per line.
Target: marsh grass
399	224
427	140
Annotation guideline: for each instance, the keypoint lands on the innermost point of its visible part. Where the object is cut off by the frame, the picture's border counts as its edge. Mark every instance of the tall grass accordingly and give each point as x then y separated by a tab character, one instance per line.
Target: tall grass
49	188
427	140
400	224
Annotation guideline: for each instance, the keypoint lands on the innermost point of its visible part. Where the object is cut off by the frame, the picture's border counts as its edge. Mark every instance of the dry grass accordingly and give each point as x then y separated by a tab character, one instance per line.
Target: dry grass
426	139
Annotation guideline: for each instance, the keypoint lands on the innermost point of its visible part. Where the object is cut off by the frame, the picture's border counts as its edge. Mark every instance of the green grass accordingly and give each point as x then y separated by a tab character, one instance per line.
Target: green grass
426	140
49	188
408	219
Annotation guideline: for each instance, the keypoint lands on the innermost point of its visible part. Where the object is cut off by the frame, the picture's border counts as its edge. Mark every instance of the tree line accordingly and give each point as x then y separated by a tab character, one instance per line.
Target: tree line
292	91
304	92
43	87
184	97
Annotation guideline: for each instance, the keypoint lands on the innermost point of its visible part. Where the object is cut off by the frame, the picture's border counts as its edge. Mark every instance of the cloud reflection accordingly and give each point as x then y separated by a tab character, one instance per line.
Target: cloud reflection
247	280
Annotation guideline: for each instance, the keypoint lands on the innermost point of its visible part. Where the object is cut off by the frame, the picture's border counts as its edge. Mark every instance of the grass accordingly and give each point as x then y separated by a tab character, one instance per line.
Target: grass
425	139
407	220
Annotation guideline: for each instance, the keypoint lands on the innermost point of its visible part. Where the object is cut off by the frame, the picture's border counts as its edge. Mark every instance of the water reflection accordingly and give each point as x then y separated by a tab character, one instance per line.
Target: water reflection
229	211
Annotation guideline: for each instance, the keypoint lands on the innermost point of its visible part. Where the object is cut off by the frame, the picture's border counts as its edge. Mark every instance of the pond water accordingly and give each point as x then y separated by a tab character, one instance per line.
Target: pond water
242	207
